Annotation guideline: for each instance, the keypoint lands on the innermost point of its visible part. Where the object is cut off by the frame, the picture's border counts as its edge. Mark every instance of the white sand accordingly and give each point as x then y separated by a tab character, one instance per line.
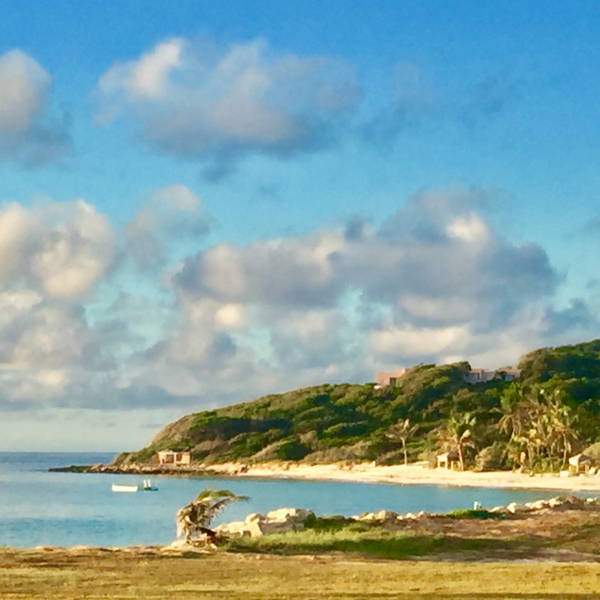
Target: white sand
410	475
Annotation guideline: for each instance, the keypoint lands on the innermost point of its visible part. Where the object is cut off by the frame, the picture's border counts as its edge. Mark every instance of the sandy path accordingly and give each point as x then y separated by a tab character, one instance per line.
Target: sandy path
410	475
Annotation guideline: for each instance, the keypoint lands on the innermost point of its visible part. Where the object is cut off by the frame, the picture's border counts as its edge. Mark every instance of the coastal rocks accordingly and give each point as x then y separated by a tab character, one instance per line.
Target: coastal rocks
514	508
280	520
388	517
556	503
290	514
381	516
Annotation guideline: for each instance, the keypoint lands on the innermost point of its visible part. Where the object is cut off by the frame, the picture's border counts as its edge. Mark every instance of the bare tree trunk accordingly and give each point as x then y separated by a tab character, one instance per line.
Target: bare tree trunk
404	449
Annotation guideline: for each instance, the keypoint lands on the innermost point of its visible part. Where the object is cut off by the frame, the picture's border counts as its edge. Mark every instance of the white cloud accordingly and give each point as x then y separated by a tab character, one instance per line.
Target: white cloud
59	249
218	105
24	86
171	215
28	133
435	282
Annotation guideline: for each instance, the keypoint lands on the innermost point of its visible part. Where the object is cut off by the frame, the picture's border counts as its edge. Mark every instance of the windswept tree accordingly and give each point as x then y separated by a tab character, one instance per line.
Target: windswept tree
457	435
193	519
403	431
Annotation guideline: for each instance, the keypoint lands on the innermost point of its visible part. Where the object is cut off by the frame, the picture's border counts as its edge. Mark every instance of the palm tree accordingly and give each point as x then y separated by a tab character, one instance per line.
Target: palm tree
458	434
194	518
402	431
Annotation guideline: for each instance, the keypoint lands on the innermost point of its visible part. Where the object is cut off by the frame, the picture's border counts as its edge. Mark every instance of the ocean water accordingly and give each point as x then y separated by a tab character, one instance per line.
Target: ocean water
65	509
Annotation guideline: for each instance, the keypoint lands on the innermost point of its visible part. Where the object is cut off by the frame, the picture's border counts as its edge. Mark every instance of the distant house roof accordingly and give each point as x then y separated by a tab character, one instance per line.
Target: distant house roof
579	459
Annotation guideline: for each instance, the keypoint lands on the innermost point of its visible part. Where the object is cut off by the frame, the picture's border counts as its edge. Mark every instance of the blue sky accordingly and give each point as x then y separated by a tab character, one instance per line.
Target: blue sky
203	203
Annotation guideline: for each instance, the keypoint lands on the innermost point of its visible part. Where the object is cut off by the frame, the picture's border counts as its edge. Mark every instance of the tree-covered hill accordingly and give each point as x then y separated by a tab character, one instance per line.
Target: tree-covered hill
552	411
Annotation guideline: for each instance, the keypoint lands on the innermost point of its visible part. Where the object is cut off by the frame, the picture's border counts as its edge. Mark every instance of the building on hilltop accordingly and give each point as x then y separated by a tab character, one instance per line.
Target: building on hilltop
483	376
384	378
471	376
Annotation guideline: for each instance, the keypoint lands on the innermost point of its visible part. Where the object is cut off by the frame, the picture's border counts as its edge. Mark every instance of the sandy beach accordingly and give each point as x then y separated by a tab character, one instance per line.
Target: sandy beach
409	475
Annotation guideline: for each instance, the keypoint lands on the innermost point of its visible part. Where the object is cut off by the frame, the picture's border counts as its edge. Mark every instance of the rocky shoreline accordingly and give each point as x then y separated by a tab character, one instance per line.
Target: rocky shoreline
137	469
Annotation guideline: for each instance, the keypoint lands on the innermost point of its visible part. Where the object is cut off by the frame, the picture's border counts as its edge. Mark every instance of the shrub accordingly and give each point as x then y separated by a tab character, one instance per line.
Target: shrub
490	458
466	513
292	450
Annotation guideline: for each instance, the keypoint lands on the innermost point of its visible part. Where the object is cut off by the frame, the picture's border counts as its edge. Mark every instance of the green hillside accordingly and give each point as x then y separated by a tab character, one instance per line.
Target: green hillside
535	423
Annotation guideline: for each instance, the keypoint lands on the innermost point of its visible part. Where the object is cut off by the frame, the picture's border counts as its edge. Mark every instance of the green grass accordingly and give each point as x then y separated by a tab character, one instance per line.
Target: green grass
373	542
468	513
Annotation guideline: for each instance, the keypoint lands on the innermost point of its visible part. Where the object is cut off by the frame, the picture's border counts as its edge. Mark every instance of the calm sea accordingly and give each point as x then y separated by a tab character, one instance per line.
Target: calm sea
65	509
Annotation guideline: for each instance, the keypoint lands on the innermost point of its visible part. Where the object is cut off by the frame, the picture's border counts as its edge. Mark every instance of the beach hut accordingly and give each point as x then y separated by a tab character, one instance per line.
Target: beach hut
447	460
580	463
175	459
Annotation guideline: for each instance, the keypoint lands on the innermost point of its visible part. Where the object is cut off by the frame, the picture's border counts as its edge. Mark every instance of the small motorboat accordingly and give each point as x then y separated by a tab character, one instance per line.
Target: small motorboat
120	487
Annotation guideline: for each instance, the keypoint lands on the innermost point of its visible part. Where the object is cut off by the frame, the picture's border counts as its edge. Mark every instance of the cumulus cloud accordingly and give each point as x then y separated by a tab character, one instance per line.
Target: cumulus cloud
218	105
436	262
173	213
29	133
59	249
437	281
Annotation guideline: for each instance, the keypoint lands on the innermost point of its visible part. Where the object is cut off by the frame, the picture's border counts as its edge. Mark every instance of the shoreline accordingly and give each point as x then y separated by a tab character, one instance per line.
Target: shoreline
408	475
412	474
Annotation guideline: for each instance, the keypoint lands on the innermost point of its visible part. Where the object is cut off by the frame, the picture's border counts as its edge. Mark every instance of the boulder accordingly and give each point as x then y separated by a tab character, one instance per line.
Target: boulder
233	528
367	516
254	517
574	501
498	509
515	508
537	505
385	515
556	502
290	514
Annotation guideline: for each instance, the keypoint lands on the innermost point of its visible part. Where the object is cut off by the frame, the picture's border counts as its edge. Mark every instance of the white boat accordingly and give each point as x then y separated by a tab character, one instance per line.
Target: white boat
121	487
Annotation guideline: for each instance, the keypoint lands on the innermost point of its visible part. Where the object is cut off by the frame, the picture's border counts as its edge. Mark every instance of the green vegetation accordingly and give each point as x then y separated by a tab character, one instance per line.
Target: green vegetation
377	542
534	424
470	513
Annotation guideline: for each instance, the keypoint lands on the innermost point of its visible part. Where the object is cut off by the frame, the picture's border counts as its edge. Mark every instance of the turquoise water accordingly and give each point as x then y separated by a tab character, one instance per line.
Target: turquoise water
64	509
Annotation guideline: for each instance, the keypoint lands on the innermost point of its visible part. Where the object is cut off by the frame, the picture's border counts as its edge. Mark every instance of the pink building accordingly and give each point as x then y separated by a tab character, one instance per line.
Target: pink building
177	459
390	377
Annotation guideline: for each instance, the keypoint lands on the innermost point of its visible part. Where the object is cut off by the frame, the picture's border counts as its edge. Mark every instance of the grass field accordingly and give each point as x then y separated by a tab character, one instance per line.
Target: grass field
461	555
27	575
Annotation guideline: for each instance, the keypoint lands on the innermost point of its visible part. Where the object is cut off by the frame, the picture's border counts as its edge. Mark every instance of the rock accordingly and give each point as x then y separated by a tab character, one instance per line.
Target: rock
556	502
368	516
285	514
497	509
515	508
593	501
385	515
254	517
537	505
269	527
573	501
233	528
